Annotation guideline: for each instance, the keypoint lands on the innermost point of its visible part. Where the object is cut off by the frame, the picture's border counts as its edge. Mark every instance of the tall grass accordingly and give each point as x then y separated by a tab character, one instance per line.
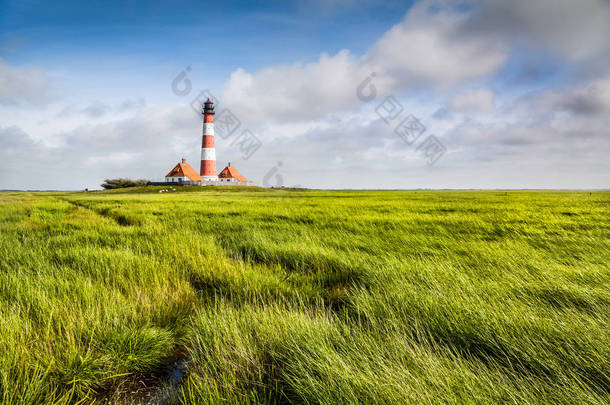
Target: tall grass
306	296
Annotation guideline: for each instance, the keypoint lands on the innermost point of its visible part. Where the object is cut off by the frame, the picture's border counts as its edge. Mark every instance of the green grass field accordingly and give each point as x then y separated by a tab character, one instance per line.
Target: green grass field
305	297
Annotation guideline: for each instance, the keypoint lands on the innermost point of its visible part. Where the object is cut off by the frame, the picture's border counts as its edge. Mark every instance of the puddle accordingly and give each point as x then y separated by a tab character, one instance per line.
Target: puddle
170	389
155	388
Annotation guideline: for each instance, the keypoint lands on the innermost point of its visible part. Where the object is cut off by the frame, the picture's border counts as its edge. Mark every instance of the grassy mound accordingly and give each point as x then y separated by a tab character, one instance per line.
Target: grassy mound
180	189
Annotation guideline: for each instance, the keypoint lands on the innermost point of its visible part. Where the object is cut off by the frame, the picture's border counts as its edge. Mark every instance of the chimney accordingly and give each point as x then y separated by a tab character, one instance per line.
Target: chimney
229	164
183	160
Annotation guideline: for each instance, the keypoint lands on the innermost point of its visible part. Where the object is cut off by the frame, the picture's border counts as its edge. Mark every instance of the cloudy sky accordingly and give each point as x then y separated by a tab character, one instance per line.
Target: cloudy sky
327	93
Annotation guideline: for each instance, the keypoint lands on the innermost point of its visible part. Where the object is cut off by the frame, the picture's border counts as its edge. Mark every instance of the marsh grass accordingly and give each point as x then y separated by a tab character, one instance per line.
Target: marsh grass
291	296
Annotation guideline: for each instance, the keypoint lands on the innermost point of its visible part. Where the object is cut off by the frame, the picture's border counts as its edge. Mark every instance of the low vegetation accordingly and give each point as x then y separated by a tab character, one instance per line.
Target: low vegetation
305	297
110	184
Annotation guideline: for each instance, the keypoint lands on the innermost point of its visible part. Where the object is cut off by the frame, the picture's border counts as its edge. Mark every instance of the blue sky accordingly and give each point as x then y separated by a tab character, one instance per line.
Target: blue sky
517	93
135	40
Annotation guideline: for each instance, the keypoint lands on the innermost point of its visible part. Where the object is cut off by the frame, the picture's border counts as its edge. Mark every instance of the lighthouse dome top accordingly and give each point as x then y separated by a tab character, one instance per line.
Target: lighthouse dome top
208	107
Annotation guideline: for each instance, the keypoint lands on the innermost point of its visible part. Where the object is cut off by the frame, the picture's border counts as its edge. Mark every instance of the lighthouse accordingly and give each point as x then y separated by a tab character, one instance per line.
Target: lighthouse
184	174
208	151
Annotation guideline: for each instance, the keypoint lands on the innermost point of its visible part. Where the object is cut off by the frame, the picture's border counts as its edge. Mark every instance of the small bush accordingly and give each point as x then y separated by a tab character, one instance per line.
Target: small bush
109	184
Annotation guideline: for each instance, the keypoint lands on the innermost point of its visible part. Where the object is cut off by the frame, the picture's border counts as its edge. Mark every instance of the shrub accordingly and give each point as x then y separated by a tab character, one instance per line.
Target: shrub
122	183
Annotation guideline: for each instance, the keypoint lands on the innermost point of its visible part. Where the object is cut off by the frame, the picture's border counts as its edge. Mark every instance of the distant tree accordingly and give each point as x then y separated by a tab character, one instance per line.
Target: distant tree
122	183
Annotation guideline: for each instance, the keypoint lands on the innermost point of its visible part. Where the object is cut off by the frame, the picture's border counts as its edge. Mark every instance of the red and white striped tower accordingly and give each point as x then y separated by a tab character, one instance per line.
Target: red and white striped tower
208	151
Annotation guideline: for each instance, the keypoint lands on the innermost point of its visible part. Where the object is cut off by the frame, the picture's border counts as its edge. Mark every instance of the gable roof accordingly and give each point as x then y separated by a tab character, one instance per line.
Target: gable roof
184	170
231	172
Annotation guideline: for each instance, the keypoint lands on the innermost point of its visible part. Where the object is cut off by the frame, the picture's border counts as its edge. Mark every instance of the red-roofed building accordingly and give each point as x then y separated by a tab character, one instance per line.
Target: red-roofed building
230	174
182	172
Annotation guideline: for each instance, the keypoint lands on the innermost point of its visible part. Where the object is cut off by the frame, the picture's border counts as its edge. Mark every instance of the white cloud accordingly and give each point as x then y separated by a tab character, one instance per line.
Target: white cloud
575	30
521	144
145	144
425	50
422	50
546	132
590	98
438	45
442	45
473	100
99	109
20	86
298	91
527	143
